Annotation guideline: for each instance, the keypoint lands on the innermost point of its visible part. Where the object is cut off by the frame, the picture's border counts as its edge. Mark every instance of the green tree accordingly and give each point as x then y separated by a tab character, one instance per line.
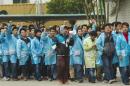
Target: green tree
65	6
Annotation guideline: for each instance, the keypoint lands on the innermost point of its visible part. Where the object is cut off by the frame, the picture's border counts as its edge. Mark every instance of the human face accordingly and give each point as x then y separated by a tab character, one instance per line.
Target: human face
23	33
93	38
107	29
38	34
124	28
66	31
32	32
52	33
84	29
118	27
15	32
80	32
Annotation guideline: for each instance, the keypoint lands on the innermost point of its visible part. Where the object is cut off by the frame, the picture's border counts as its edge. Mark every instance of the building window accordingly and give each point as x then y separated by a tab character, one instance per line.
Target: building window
20	1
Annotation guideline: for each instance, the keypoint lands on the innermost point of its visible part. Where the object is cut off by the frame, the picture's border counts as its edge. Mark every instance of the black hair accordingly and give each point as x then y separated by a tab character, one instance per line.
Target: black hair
13	28
79	28
93	33
37	30
52	28
117	23
23	29
66	27
84	25
125	23
108	24
30	27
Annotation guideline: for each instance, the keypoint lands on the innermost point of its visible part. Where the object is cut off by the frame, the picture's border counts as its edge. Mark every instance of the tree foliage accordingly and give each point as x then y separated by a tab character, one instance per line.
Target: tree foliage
65	6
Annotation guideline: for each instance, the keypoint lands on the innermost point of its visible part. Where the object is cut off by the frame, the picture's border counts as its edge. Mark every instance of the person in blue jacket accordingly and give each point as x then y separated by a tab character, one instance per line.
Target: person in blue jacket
12	51
5	51
77	55
50	53
37	53
23	51
106	50
123	52
30	60
116	32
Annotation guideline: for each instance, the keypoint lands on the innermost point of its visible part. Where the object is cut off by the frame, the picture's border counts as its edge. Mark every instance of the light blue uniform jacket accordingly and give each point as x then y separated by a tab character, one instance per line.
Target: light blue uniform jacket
77	51
23	51
123	50
37	50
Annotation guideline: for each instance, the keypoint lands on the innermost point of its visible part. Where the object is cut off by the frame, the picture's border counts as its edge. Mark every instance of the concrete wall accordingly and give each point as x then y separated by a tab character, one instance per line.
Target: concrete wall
124	12
21	8
3	2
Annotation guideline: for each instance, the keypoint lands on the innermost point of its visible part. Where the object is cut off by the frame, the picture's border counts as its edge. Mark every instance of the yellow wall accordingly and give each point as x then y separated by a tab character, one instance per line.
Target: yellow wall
22	8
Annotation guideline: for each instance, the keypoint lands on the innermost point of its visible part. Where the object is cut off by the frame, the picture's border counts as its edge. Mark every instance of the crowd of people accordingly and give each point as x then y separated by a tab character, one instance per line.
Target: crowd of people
65	53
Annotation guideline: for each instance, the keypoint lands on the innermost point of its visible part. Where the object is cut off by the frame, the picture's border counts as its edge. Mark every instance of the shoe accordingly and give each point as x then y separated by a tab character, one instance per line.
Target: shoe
92	81
6	78
39	79
105	81
72	79
81	81
111	81
25	79
51	79
127	83
99	79
15	79
45	78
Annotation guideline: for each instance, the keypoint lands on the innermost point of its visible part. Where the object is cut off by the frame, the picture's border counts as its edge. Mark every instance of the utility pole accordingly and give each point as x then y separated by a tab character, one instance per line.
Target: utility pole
38	5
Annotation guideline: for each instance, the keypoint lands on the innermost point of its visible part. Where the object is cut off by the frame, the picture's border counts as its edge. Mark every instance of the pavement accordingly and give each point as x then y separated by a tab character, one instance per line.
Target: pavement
56	83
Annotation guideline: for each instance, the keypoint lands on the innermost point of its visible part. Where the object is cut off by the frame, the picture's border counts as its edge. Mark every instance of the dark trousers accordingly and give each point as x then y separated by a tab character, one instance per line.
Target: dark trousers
30	67
107	67
63	68
14	70
115	70
6	69
51	71
43	68
124	74
23	70
78	70
91	74
37	72
99	73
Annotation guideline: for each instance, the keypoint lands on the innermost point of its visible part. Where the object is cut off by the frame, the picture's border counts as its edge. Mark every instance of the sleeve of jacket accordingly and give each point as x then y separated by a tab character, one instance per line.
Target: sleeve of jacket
118	47
18	48
35	52
99	43
87	46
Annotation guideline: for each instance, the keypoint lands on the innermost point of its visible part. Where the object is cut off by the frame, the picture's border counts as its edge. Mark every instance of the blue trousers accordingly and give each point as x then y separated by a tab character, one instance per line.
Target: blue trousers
37	72
124	74
6	69
78	70
51	71
91	74
107	67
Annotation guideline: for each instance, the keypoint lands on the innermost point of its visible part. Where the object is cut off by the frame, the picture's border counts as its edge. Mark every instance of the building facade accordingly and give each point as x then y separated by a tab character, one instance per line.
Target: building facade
6	2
